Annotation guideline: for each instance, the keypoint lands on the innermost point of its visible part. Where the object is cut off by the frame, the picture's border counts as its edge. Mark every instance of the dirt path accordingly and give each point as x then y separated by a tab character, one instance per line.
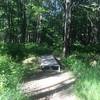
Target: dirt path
50	86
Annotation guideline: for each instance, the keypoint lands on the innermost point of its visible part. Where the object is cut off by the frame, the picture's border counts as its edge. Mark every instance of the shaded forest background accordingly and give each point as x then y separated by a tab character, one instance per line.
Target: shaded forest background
49	22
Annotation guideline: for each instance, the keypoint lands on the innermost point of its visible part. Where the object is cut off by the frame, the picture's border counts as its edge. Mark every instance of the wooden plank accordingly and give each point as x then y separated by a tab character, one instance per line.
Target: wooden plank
48	62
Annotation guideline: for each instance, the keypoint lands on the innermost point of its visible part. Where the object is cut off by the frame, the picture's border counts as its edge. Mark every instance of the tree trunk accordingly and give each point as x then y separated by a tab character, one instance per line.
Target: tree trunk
67	21
24	23
39	28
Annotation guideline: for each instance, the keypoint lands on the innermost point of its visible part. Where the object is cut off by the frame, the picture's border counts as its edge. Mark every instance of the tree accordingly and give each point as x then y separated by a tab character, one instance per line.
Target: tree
67	21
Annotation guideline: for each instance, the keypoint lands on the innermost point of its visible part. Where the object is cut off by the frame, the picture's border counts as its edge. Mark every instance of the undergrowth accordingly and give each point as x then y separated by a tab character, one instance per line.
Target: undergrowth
86	67
10	76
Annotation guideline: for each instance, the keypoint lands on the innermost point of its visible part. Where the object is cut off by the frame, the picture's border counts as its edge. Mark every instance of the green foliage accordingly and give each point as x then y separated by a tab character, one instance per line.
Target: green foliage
16	51
12	94
85	23
10	76
20	51
37	49
85	49
86	67
3	48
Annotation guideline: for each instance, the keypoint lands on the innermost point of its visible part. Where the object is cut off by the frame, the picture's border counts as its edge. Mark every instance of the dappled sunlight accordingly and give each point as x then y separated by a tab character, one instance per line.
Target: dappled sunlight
59	85
29	60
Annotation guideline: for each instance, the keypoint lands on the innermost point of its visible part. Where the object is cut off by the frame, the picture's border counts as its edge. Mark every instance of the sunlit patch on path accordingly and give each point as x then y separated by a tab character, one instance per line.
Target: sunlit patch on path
50	86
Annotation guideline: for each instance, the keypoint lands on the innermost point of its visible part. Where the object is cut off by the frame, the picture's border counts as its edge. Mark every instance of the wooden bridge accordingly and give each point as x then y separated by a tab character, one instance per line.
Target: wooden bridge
49	62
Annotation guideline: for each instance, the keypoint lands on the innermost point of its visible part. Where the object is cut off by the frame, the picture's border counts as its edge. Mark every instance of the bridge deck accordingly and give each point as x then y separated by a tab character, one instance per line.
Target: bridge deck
49	62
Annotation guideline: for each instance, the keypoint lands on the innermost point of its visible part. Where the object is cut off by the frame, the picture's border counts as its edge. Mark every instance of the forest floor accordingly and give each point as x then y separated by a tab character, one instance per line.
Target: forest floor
50	86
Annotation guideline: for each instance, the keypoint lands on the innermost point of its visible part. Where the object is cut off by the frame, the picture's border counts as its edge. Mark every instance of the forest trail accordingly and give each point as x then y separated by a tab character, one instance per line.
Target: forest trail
50	86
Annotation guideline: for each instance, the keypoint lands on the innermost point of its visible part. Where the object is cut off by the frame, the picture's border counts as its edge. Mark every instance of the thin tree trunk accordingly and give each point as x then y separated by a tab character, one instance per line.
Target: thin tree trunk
67	22
24	24
39	28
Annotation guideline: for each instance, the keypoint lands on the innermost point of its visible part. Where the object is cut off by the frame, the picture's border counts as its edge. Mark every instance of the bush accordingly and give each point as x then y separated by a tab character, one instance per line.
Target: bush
10	76
16	51
37	49
3	49
12	94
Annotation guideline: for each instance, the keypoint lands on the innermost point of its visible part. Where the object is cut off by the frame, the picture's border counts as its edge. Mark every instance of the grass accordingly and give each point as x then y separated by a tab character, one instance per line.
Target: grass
12	94
86	67
11	74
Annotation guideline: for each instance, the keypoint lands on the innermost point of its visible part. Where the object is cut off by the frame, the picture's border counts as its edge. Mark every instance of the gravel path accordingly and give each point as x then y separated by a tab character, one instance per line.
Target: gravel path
50	86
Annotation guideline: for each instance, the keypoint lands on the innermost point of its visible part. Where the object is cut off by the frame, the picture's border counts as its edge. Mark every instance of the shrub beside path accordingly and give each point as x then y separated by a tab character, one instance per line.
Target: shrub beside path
50	86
